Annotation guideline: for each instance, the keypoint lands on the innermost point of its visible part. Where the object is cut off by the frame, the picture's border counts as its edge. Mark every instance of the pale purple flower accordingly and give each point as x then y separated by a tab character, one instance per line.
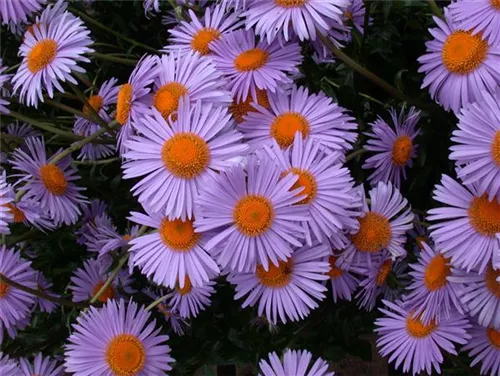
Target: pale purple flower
484	347
481	16
50	14
44	286
40	366
6	198
16	11
420	235
295	362
189	300
344	278
355	13
8	367
90	212
170	315
23	130
4	93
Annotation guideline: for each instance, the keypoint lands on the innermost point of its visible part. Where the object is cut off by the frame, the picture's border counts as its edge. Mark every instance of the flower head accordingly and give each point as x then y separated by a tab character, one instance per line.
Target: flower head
190	300
170	315
485	349
8	367
15	11
4	78
44	286
483	17
40	366
344	278
6	198
295	362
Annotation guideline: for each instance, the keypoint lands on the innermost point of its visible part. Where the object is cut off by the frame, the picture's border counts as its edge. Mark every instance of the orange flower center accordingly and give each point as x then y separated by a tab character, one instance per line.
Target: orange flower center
495	148
335	272
166	99
348	14
401	150
253	215
108	293
484	215
383	272
436	272
126	355
417	329
4	288
185	155
96	102
285	126
53	179
290	3
41	55
123	103
252	59
31	28
18	214
374	233
127	237
420	240
494	337
203	38
463	52
187	286
307	182
276	276
240	109
495	4
491	281
178	235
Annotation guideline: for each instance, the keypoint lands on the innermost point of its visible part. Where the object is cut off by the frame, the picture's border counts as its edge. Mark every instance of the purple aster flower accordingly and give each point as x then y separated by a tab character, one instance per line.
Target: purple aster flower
255	214
304	17
459	65
151	6
343	278
51	13
483	17
477	145
414	345
432	294
250	65
50	184
15	11
134	98
316	116
188	76
289	290
382	226
6	198
189	300
8	367
29	212
117	339
172	253
481	295
44	286
4	78
15	304
338	34
23	130
355	14
87	281
467	229
420	235
235	4
11	330
50	55
101	228
171	316
197	35
176	157
393	146
485	348
112	240
90	212
41	366
100	102
295	362
328	187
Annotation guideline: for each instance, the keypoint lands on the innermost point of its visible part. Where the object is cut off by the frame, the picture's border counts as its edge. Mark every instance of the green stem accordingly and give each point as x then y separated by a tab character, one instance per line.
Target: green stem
355	154
67	108
100	162
12	68
110	279
156	302
436	10
92	21
114	59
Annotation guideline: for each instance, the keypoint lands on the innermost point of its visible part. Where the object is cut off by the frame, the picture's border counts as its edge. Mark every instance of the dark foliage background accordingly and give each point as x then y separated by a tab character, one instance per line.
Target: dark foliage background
225	333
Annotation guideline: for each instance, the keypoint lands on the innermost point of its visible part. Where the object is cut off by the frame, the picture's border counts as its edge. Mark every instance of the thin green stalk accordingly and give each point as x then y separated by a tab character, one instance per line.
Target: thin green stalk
11	68
156	302
92	21
436	10
67	108
110	279
355	154
114	59
100	162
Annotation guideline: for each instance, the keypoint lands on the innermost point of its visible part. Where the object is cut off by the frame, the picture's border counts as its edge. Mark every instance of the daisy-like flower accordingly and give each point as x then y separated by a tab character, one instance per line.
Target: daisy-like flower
50	55
481	295
295	362
355	14
44	286
315	116
170	315
467	229
88	281
4	78
483	17
420	235
189	300
112	240
382	226
151	6
49	14
338	34
393	146
6	198
100	102
8	367
240	108
29	212
234	4
255	214
176	157
431	294
343	278
415	345
328	187
99	230
50	184
485	349
251	65
15	11
197	35
91	211
477	145
41	366
459	65
23	130
117	339
172	253
134	98
287	291
279	17
15	304
188	76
